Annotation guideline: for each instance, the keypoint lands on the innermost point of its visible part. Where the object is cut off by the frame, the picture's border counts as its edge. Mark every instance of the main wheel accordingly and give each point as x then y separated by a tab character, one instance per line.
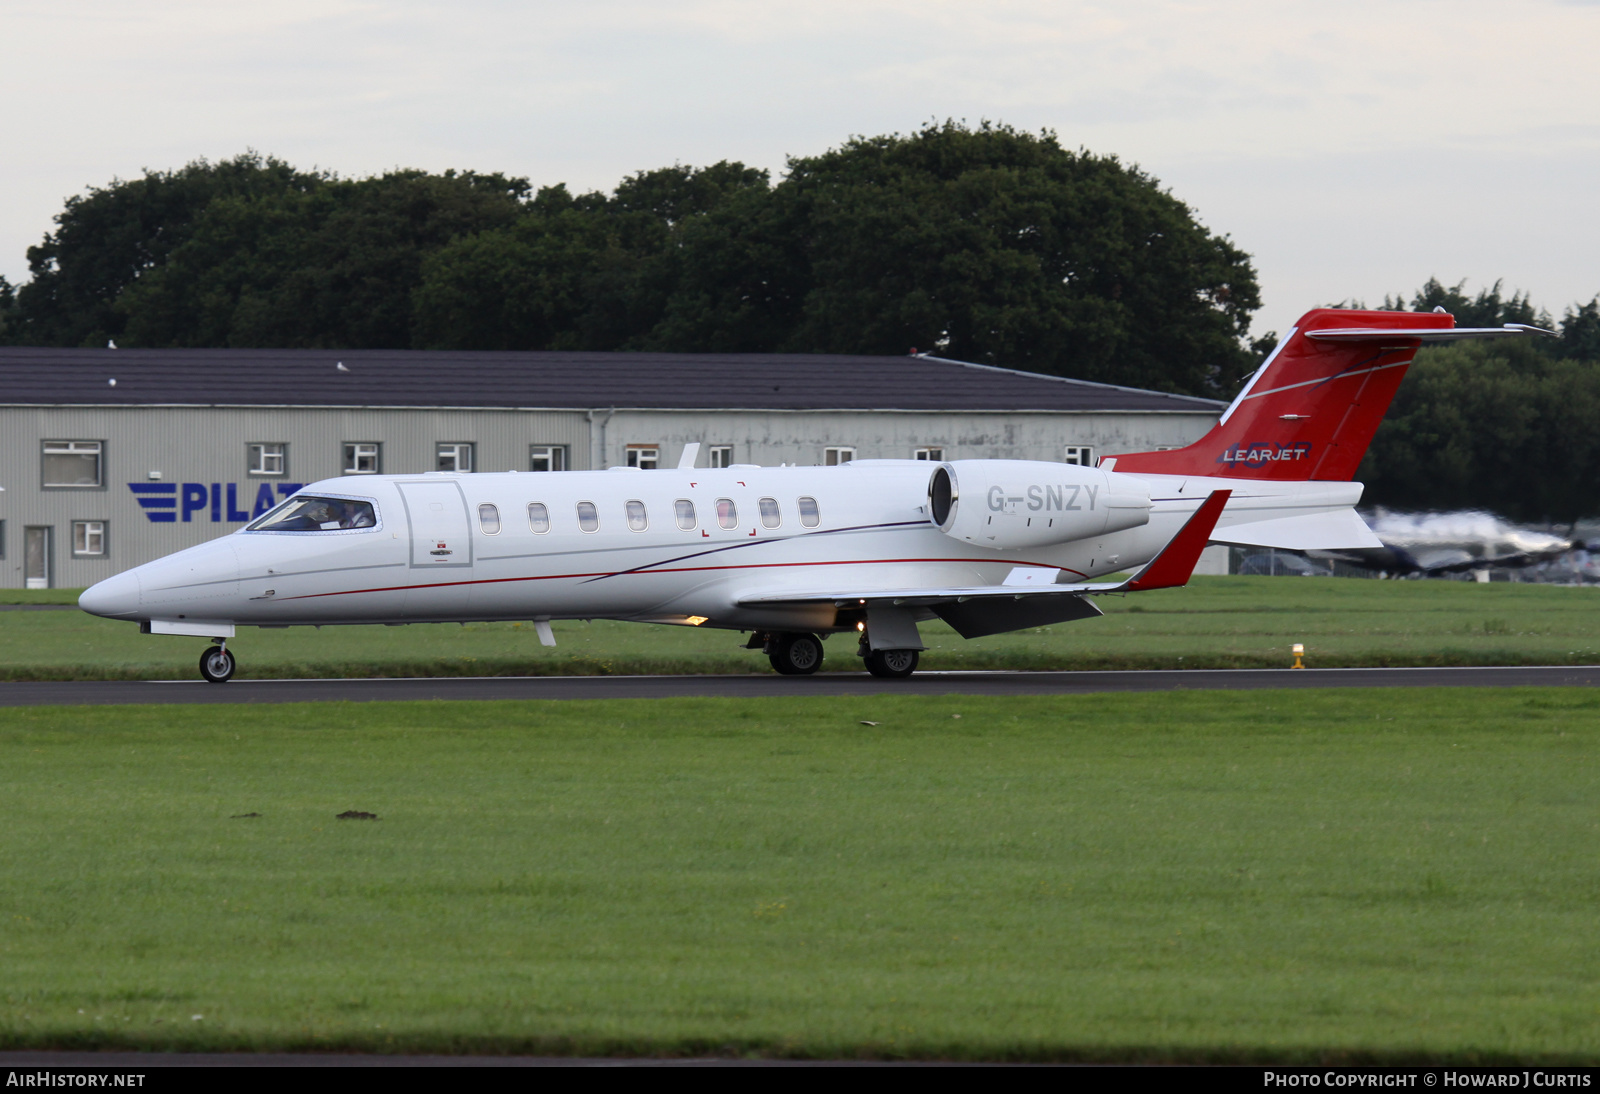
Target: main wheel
216	665
893	663
797	654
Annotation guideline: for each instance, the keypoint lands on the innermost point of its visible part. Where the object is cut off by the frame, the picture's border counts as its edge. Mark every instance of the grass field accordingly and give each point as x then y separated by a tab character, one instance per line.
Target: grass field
1290	876
1217	622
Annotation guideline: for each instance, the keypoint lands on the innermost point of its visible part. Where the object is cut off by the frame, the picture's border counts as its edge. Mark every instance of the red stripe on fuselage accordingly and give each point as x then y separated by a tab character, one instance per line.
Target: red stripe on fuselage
676	570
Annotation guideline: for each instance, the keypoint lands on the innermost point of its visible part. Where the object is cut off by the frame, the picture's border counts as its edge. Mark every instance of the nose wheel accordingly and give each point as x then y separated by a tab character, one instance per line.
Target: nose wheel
217	665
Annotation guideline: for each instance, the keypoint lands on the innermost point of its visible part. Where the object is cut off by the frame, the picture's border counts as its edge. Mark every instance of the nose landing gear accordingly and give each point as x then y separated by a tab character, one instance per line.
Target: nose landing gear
217	664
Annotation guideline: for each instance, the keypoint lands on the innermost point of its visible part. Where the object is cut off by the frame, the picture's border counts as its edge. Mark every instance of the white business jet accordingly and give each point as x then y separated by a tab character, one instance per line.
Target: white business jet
795	554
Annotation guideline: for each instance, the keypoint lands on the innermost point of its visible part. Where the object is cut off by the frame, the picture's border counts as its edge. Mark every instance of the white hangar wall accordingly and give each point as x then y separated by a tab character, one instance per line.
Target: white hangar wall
801	437
191	464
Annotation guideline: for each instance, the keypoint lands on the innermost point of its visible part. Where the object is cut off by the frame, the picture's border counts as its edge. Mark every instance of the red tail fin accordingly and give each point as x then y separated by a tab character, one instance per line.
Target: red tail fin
1311	409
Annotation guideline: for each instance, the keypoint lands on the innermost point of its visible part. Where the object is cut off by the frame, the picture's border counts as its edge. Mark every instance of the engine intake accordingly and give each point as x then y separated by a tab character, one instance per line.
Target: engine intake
1011	504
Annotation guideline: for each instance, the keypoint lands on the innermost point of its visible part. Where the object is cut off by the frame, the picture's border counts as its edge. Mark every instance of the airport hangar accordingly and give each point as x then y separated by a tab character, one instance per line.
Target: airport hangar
112	457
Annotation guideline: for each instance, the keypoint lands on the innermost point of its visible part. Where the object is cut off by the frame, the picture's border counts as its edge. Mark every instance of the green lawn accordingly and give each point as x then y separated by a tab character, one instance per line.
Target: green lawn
1224	622
1308	875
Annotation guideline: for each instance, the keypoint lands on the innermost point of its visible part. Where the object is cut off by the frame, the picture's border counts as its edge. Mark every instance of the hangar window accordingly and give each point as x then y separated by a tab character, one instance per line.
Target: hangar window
73	463
305	513
547	457
637	520
361	457
489	519
588	517
538	517
453	456
934	454
1080	454
809	516
722	455
685	513
644	456
770	517
89	539
727	513
268	459
833	457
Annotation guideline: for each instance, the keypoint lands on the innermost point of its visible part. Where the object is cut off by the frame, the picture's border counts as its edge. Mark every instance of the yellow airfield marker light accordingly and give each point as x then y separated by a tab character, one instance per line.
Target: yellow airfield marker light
1299	652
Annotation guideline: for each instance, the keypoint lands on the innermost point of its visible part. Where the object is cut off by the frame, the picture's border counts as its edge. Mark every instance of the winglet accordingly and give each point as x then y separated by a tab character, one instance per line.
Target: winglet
1176	562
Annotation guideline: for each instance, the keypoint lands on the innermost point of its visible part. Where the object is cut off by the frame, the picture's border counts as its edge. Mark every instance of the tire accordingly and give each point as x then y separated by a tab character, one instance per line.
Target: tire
216	665
893	663
797	654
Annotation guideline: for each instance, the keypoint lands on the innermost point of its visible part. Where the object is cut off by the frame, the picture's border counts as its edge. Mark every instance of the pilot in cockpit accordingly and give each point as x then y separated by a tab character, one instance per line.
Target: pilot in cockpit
319	515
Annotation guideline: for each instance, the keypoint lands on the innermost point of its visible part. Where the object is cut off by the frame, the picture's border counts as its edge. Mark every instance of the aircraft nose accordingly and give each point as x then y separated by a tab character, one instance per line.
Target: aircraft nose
114	597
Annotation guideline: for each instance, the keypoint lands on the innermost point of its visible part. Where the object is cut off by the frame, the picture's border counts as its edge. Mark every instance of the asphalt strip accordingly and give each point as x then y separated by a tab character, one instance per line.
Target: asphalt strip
992	683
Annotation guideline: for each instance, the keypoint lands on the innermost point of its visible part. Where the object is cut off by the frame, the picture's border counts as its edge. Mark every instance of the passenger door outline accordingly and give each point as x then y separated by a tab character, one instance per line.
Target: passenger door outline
437	521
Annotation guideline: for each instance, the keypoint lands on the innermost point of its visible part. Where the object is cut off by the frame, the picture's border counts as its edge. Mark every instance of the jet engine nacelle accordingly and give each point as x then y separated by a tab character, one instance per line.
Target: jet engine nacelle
1010	504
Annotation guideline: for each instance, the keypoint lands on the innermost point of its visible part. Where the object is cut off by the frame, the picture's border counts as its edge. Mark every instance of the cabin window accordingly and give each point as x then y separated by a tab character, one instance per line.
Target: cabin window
453	456
538	517
361	457
588	517
268	459
489	519
934	454
722	455
303	513
809	515
89	539
637	519
547	457
770	517
727	513
72	463
1080	454
833	457
644	456
685	512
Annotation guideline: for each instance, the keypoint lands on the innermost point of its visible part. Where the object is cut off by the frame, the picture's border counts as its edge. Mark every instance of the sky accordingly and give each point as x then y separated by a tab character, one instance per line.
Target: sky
1354	149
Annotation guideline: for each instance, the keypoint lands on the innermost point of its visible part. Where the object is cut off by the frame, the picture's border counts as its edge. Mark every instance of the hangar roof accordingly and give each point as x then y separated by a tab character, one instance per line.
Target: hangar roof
548	380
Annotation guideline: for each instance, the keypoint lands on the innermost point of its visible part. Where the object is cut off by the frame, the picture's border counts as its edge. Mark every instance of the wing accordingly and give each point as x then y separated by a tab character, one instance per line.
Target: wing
1030	596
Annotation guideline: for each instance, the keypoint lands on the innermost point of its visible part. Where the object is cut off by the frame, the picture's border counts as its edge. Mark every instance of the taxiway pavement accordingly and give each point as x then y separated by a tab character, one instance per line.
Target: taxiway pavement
761	686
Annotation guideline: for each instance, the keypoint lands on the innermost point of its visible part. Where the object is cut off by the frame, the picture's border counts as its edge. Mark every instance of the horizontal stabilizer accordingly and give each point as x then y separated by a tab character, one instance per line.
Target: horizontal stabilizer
1453	334
1336	531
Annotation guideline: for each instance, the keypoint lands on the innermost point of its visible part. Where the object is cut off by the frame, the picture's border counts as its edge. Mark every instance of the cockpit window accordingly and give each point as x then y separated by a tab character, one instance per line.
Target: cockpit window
313	514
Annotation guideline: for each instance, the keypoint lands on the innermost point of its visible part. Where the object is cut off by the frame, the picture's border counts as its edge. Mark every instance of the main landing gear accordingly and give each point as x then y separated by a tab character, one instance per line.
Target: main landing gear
217	664
891	663
795	654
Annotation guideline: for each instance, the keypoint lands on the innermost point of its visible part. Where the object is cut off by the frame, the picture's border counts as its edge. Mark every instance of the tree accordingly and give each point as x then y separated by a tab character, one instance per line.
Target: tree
107	239
8	313
1580	332
332	266
1496	426
986	244
1487	309
1001	247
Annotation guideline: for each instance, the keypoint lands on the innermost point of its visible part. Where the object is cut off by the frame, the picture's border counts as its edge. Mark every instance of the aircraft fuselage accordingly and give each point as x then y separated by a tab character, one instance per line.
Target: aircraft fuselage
620	544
